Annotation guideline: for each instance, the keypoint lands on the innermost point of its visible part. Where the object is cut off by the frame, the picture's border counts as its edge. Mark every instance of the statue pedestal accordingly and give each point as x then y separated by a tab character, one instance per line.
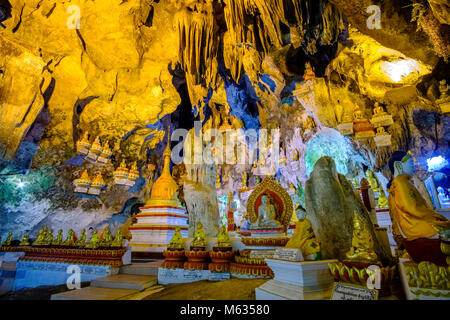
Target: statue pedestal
304	280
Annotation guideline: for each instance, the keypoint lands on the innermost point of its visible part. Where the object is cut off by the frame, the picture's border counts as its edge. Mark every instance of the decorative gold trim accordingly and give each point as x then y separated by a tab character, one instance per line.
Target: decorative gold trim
269	185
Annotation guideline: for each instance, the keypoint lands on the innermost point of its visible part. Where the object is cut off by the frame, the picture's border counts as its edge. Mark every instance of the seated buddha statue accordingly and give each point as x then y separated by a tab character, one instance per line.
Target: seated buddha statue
59	238
199	236
41	237
412	219
372	181
176	243
71	239
106	238
25	240
94	242
223	239
82	240
304	237
378	110
7	242
118	239
362	242
383	202
266	215
49	238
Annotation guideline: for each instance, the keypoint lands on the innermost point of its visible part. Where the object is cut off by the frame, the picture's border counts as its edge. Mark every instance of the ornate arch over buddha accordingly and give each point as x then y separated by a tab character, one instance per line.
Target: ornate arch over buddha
276	196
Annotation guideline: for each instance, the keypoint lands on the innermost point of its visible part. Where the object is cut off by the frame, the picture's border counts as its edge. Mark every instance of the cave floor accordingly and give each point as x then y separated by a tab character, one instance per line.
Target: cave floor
233	289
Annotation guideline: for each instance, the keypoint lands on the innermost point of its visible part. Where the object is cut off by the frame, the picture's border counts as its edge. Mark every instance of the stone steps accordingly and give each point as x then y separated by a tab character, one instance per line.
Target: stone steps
134	282
147	269
125	281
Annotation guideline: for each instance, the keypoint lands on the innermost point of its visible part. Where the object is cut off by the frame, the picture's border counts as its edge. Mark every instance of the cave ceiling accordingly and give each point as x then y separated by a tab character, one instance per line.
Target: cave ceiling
131	67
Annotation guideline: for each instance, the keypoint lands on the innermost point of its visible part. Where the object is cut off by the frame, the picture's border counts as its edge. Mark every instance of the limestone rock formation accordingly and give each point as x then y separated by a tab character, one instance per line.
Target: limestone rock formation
330	203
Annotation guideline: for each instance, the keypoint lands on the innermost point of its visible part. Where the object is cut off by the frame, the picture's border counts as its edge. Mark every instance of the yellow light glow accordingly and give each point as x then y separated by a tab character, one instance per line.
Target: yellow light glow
398	69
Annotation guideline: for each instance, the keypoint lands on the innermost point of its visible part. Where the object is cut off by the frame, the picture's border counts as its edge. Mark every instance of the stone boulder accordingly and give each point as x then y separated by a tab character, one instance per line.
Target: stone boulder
330	204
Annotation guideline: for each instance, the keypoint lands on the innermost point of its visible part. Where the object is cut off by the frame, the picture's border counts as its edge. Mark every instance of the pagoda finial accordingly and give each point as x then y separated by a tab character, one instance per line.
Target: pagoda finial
167	151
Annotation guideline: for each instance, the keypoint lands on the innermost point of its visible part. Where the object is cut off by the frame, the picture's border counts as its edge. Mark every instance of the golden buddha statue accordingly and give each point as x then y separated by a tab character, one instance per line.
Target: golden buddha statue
304	238
218	181
383	202
355	183
378	110
123	164
41	237
362	242
411	217
223	239
58	239
118	239
7	242
25	240
82	240
134	166
373	181
176	242
106	238
244	179
165	188
98	180
381	131
266	215
199	236
48	238
94	241
71	239
295	155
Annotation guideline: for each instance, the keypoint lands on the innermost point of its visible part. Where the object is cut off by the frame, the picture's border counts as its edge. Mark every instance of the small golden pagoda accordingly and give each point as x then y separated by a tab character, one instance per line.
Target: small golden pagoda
84	145
83	183
97	184
164	191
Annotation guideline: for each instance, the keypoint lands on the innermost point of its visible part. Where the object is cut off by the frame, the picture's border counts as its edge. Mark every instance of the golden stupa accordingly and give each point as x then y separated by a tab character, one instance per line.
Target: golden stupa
164	190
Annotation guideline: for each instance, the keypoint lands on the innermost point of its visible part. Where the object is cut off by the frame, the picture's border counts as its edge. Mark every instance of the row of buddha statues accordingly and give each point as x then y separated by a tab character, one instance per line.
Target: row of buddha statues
94	151
45	238
363	129
199	240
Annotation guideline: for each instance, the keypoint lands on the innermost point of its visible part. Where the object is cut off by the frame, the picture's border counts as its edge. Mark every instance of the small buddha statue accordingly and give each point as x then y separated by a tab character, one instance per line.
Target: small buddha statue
218	181
82	240
106	238
383	202
176	242
118	239
7	242
199	236
223	239
41	237
134	166
25	240
378	110
372	181
71	239
381	131
266	215
58	239
295	155
48	238
94	242
443	89
304	237
362	242
244	179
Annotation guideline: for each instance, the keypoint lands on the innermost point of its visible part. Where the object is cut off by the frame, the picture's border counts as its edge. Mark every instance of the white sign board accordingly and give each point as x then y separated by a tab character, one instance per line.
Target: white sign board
261	254
288	254
349	291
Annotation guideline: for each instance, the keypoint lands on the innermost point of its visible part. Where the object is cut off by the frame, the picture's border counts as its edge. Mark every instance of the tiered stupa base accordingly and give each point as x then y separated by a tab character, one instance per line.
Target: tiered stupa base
156	225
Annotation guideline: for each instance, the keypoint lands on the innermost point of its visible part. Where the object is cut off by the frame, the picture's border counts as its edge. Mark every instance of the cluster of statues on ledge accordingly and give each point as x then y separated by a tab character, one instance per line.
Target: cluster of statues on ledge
199	241
45	238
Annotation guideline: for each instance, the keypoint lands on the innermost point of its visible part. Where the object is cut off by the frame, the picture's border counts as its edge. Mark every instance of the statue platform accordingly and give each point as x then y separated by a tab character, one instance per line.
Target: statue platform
303	280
